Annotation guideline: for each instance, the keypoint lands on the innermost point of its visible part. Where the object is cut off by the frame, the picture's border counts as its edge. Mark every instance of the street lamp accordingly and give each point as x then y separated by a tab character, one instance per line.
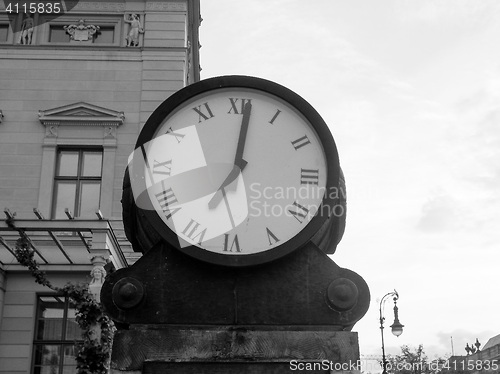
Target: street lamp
396	327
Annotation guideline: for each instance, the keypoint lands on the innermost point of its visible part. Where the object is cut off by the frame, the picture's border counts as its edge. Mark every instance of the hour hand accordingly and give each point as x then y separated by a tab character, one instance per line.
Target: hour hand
217	197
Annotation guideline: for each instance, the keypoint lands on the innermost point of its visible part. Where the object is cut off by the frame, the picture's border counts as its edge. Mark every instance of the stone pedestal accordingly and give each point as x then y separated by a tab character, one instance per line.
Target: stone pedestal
233	349
180	315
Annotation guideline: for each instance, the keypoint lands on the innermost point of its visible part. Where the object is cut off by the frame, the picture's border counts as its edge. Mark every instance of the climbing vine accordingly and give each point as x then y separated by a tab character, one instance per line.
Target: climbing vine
93	355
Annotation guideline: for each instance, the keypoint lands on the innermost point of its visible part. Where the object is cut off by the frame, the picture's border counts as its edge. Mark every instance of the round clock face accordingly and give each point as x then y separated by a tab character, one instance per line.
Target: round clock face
234	171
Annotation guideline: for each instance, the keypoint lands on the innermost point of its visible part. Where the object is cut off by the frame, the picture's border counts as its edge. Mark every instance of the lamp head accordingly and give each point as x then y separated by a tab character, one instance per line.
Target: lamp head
396	327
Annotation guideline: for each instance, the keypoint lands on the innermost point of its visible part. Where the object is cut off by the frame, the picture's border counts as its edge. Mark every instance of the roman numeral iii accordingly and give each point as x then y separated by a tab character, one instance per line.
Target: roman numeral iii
309	176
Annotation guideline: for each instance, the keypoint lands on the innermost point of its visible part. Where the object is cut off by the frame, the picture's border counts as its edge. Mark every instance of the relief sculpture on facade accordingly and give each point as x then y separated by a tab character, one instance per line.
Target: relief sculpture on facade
135	29
82	32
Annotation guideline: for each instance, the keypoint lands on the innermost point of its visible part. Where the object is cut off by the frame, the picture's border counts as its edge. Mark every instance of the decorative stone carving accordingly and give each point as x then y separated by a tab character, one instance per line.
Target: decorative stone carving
81	31
110	132
101	6
84	114
134	31
51	132
98	273
81	114
166	6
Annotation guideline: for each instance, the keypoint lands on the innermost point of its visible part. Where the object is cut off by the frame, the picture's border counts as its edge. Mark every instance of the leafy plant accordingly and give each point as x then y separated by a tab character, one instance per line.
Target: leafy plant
414	361
98	329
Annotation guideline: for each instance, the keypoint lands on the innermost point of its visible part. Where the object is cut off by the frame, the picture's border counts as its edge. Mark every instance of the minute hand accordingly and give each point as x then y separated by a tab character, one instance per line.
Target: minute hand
238	158
239	162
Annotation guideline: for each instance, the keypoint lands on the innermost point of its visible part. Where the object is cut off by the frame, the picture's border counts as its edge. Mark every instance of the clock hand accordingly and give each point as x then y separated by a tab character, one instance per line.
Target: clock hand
247	109
239	162
216	199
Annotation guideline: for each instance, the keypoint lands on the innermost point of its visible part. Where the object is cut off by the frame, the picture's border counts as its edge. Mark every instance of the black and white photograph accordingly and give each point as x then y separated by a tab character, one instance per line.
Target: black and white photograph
223	186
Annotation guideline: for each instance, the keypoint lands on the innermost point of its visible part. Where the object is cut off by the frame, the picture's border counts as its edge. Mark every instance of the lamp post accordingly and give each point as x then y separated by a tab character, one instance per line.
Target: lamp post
396	327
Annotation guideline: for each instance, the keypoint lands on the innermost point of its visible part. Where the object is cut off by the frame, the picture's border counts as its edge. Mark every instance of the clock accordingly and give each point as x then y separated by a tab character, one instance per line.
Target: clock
235	171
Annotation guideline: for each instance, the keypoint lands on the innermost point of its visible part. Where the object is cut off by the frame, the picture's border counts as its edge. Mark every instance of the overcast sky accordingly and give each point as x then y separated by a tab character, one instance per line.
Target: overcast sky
411	92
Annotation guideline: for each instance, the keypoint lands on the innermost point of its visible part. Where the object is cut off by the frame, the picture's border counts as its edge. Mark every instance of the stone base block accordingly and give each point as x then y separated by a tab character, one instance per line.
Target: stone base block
233	349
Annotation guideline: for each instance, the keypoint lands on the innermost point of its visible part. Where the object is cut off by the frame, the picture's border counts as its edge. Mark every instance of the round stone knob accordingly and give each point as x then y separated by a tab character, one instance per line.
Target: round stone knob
127	293
342	294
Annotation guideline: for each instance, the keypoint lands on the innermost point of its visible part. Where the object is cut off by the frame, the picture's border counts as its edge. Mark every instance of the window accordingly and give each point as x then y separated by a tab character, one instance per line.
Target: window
77	184
4	32
64	127
55	336
6	23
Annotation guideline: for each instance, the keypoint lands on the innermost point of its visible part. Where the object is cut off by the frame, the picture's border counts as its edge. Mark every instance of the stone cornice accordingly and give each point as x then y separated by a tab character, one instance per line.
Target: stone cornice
164	6
101	6
81	114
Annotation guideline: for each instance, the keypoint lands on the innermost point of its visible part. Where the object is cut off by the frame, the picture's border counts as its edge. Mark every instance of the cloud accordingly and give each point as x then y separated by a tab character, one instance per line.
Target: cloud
464	172
464	13
439	213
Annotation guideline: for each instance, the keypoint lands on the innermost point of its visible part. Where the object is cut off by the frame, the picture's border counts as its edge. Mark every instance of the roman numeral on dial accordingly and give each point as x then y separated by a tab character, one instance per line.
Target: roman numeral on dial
166	198
192	232
300	142
235	244
162	168
204	112
275	116
309	176
178	136
237	108
271	237
298	211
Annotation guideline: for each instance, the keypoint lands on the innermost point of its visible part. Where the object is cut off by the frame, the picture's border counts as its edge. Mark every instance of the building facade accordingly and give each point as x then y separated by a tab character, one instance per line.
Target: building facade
477	361
75	90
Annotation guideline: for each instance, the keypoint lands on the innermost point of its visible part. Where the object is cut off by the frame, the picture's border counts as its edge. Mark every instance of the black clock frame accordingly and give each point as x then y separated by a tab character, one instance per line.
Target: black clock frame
326	208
